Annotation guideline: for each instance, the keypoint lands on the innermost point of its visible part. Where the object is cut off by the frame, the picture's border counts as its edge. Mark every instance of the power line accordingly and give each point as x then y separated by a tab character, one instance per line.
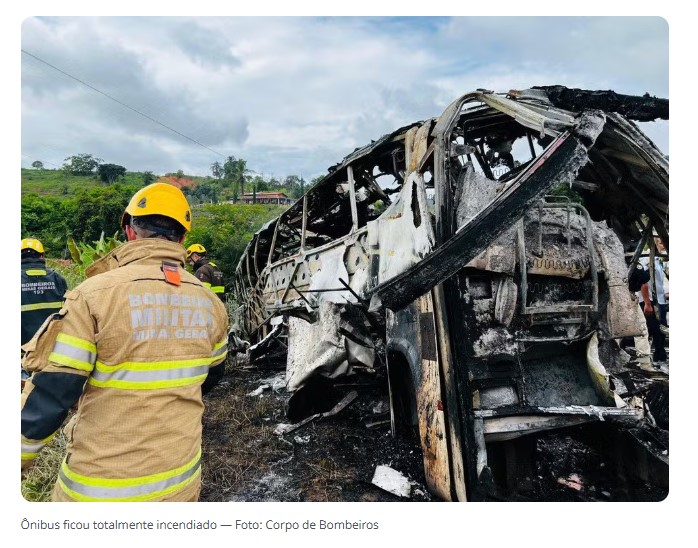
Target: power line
121	103
43	162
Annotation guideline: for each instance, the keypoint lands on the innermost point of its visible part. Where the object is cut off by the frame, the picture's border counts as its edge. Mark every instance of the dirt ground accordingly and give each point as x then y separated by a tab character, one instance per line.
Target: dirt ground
329	459
335	458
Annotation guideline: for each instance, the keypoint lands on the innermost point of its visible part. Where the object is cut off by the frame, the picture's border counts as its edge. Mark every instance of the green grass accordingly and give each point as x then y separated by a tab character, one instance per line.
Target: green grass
55	183
60	184
74	275
41	478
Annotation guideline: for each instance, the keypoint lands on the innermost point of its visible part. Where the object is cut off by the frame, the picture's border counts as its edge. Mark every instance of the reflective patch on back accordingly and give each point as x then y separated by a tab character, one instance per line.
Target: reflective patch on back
171	272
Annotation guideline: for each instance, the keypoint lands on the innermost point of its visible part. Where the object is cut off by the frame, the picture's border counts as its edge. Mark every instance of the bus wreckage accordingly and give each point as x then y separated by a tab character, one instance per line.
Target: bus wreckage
446	252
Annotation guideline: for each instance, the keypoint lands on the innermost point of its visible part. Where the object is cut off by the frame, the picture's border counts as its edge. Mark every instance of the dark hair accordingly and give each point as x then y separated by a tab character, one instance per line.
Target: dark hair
158	226
31	254
638	277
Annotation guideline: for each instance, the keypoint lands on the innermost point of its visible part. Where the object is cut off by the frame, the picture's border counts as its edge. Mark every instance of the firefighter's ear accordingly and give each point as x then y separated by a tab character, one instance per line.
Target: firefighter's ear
130	233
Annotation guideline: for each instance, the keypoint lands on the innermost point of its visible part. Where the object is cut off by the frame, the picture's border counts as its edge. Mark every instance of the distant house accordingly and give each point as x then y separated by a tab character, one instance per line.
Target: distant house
265	198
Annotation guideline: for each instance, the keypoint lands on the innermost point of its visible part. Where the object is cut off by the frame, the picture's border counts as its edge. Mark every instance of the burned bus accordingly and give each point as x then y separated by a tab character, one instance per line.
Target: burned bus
481	257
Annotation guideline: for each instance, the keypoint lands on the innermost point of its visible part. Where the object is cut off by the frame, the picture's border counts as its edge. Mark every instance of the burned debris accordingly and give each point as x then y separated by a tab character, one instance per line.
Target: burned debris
479	259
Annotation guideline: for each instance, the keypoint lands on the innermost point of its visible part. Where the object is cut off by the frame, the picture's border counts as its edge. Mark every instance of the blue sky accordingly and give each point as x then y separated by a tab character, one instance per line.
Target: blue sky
294	95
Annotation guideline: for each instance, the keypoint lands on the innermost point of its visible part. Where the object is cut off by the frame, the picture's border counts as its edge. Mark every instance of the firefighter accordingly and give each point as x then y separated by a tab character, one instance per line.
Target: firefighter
136	345
206	270
42	290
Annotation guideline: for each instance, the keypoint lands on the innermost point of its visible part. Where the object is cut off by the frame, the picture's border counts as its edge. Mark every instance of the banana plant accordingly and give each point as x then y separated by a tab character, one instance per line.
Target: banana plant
85	254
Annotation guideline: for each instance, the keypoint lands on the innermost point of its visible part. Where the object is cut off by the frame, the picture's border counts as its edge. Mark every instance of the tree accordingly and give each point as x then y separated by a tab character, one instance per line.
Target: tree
241	173
109	173
315	180
81	164
225	231
229	169
300	190
148	177
97	210
84	216
179	174
36	164
235	174
43	217
295	186
206	192
217	170
259	184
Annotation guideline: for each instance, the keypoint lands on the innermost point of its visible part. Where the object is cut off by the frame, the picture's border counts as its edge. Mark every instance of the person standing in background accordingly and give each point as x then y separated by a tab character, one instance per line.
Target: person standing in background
42	291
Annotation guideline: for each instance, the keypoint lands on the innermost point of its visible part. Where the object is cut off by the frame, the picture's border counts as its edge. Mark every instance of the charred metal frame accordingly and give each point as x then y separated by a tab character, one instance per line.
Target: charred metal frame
594	306
626	179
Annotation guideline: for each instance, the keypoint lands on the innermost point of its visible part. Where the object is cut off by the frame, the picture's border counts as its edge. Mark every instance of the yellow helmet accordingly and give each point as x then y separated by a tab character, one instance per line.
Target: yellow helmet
160	199
195	248
32	243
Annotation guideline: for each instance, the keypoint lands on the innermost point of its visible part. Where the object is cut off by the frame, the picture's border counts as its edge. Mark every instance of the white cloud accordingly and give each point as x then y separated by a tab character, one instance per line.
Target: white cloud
298	94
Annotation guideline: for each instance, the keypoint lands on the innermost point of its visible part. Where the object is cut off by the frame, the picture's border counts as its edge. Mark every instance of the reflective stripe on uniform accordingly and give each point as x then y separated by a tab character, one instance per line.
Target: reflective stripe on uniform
154	375
73	352
41	306
221	349
214	288
128	379
31	448
91	489
36	272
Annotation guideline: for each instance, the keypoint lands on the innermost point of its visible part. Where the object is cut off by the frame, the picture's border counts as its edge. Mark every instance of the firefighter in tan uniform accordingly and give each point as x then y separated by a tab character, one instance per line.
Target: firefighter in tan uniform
137	344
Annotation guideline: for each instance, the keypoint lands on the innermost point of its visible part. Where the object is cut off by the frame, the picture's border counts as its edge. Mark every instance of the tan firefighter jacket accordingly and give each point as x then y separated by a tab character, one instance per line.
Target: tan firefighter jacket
134	348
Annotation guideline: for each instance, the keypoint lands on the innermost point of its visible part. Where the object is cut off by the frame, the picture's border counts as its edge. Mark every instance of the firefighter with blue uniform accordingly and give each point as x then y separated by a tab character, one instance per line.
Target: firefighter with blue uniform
206	270
42	290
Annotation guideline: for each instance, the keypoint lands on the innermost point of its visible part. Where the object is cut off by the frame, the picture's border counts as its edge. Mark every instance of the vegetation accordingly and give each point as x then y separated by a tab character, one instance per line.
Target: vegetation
62	222
148	178
84	200
86	254
41	478
91	212
225	231
81	164
110	173
564	190
61	184
83	255
73	274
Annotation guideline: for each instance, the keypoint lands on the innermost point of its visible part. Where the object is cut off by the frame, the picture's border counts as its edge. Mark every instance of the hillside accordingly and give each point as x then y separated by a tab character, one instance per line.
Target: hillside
60	184
56	204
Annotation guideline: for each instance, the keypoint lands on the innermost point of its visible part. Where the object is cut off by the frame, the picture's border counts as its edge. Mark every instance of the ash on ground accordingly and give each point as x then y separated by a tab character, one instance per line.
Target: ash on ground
335	458
328	459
